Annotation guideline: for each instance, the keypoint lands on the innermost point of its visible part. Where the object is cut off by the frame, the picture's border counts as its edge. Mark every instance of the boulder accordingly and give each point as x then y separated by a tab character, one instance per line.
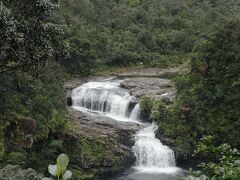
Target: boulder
99	145
27	125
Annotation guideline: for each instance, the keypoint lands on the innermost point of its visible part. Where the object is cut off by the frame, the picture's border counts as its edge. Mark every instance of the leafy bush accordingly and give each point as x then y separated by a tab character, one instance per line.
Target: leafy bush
19	158
29	39
221	162
146	104
208	98
42	99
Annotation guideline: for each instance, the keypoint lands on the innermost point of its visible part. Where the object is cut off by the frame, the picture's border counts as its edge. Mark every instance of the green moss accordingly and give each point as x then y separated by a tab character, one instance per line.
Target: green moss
93	155
1	141
16	158
72	126
81	174
146	105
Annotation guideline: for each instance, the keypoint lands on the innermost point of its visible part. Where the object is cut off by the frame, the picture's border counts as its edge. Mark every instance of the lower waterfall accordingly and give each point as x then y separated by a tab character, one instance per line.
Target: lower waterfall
151	154
108	99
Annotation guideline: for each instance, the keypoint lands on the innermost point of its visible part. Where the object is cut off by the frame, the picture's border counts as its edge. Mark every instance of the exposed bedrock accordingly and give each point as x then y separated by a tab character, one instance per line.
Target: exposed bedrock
99	146
167	73
156	88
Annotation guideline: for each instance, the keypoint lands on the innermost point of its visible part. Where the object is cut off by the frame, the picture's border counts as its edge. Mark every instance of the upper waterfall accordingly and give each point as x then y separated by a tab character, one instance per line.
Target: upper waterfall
104	97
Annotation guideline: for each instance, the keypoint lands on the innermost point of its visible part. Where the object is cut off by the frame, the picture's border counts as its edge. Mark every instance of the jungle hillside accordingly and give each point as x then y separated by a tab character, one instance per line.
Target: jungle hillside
45	44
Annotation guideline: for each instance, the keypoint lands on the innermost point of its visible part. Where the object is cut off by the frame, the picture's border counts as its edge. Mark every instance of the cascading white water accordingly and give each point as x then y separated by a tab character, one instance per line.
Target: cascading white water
105	97
109	99
151	154
135	112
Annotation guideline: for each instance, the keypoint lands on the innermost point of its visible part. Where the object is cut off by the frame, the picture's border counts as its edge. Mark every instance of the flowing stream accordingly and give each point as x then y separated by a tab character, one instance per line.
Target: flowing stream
107	98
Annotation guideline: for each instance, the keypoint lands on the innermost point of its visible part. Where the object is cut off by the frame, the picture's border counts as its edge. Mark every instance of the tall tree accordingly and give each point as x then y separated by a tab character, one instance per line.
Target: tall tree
29	38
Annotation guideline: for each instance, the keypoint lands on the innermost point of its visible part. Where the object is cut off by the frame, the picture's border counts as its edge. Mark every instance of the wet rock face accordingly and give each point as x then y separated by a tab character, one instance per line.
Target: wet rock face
99	145
15	172
156	88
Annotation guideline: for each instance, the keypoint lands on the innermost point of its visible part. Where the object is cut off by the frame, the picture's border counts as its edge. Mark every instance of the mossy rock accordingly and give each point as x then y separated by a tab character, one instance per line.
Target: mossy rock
95	155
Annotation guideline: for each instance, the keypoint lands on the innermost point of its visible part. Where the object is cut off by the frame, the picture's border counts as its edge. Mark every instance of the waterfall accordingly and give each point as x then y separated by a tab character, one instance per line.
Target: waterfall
135	112
107	98
151	154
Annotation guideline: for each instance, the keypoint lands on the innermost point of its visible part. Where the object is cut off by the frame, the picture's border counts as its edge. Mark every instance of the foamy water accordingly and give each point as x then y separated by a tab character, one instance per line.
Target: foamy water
106	98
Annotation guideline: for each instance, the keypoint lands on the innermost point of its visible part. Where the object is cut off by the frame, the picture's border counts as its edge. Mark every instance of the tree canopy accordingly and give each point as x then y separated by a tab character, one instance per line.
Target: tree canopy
29	38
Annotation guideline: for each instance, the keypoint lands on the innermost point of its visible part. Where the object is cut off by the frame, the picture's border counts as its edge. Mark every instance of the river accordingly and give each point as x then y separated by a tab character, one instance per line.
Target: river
154	161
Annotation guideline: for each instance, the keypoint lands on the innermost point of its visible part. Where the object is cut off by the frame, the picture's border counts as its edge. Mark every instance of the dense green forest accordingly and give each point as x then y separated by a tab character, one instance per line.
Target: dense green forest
45	42
208	96
31	91
155	33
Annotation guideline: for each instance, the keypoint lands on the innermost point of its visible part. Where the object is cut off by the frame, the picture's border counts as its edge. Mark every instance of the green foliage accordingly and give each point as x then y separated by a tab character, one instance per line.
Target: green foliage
31	43
19	158
59	170
133	3
126	32
31	81
2	149
29	40
130	32
62	161
223	162
42	99
172	124
41	156
214	85
123	33
208	95
146	104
